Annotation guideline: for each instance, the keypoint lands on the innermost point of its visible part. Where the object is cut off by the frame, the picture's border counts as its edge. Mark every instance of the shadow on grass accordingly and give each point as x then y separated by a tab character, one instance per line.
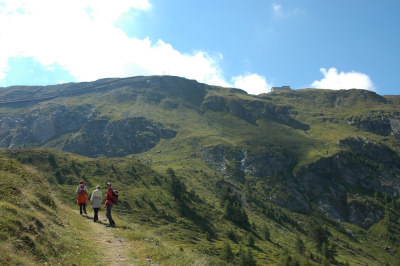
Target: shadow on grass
189	213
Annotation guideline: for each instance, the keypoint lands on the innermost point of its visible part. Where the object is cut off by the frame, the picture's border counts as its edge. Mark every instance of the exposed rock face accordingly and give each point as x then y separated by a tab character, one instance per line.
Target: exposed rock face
378	154
222	158
395	124
93	137
292	199
380	123
235	162
42	125
380	126
100	137
363	212
251	111
334	183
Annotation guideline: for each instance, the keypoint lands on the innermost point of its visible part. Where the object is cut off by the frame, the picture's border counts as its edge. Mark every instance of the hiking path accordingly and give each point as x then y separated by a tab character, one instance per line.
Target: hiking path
113	247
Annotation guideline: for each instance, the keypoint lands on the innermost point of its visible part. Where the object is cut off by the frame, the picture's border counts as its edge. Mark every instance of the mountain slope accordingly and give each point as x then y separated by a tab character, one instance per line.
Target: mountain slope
285	160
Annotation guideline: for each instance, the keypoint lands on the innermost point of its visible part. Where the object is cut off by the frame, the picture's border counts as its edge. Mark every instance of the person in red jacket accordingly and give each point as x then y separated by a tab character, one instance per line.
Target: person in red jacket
81	199
109	204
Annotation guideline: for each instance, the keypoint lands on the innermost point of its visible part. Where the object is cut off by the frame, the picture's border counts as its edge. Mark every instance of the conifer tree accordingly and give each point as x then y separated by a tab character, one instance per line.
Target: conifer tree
250	240
266	232
299	245
227	253
246	257
319	235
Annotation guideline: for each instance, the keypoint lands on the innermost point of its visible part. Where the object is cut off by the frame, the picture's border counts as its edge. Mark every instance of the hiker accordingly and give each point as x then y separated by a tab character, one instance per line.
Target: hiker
95	200
108	205
81	197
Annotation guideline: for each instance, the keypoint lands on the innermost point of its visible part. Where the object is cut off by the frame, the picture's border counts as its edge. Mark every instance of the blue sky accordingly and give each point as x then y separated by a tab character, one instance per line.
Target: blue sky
252	44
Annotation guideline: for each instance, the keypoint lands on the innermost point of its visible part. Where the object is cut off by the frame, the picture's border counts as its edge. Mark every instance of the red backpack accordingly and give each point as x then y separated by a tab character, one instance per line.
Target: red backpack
82	189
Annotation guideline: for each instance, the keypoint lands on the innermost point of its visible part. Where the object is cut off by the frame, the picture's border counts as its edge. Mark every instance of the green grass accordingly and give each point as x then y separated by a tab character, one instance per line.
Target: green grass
34	232
149	218
34	227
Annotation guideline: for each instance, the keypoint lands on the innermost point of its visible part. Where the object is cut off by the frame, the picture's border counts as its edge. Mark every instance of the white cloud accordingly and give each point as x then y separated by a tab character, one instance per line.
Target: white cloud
280	13
340	80
277	9
252	83
82	38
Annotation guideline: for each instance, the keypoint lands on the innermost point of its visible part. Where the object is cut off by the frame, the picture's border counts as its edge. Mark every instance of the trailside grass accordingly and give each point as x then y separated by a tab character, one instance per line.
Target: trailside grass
35	228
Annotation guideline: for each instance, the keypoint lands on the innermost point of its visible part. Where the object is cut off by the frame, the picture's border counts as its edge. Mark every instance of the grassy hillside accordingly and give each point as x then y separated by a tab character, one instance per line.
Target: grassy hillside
199	222
34	227
37	228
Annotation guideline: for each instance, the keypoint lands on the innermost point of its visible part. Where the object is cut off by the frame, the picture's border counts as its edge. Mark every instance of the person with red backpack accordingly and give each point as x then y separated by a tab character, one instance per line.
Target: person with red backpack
111	199
82	197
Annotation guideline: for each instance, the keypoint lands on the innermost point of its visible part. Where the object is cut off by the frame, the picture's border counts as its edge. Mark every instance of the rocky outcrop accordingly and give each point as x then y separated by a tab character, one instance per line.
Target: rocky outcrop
89	135
42	125
289	197
236	162
103	138
224	158
395	124
251	111
369	149
378	122
338	184
363	212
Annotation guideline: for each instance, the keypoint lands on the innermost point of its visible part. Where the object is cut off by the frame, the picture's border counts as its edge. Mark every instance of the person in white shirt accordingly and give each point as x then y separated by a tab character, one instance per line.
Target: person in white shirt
95	200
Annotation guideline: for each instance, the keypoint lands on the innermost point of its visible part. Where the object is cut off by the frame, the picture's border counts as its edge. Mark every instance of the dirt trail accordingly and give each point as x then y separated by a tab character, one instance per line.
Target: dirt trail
112	246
